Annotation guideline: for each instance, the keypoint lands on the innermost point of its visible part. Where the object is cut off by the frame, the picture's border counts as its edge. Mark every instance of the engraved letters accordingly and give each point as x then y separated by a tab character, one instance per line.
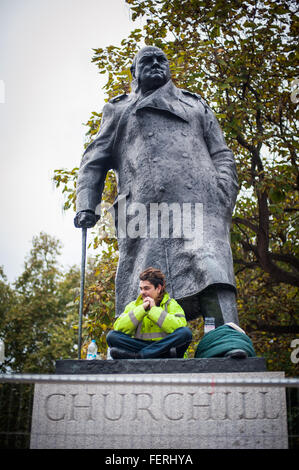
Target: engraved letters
143	403
202	408
155	414
171	406
87	407
120	404
48	407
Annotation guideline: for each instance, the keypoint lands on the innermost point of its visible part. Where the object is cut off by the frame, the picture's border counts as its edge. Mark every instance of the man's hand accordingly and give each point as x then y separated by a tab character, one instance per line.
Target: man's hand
148	303
85	219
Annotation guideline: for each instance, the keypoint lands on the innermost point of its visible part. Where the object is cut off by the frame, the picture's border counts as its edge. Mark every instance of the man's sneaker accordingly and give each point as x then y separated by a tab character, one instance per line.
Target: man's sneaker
122	354
236	354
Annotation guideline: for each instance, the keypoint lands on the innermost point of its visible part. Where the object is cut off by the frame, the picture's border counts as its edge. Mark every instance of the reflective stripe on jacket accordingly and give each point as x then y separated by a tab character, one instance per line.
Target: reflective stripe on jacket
153	324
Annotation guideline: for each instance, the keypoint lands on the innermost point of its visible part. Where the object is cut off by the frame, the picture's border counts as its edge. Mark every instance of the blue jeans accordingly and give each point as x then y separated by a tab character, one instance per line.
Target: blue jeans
179	339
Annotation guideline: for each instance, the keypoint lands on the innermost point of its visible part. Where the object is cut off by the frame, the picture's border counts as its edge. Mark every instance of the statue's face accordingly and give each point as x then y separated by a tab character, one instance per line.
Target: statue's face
152	70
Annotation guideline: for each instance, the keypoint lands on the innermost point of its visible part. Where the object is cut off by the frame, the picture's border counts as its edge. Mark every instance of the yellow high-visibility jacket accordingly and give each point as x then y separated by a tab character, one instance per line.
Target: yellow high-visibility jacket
153	324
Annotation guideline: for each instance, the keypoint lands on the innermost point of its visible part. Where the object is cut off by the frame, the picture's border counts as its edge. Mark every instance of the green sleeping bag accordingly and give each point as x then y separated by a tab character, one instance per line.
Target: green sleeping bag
221	340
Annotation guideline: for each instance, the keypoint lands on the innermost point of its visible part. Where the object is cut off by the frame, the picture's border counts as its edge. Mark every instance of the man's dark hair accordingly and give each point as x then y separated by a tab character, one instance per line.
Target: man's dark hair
154	276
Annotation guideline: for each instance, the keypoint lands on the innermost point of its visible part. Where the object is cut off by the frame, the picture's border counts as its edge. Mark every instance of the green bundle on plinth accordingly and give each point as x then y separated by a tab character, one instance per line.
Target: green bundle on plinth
221	340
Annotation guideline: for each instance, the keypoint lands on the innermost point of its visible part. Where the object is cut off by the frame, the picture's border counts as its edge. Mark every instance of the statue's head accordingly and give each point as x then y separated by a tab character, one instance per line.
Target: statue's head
150	68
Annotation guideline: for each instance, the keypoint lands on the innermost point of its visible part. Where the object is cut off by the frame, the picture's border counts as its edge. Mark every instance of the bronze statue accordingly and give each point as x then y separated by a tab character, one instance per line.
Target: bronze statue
175	171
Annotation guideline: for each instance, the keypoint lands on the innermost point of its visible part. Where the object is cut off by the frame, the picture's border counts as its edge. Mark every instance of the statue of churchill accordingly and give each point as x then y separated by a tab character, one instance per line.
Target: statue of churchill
167	150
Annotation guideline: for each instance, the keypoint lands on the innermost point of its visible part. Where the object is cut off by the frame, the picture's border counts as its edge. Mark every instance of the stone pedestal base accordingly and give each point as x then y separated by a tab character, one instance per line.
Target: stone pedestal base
160	415
158	366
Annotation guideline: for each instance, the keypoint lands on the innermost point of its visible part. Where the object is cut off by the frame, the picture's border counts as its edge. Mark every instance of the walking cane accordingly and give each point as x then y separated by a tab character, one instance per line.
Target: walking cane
82	282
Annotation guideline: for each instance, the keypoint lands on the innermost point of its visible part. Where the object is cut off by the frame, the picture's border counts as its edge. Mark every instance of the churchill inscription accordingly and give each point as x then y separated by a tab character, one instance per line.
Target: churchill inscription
159	416
173	406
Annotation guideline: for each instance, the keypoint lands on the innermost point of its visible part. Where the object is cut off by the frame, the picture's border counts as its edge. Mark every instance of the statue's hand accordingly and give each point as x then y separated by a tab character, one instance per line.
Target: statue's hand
85	219
225	192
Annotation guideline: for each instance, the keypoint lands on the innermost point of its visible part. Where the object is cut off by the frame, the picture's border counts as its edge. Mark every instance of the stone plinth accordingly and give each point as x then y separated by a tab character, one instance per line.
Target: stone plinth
153	415
157	366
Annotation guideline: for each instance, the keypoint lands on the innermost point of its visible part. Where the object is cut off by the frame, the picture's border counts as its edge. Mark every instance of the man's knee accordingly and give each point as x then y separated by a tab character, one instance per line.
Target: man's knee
185	333
112	338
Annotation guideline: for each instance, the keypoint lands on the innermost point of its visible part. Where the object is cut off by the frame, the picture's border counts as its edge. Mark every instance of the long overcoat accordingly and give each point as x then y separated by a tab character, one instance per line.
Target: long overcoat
165	147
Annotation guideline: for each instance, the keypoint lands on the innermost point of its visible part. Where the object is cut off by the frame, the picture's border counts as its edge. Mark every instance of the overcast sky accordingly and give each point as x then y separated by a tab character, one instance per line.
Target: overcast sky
48	89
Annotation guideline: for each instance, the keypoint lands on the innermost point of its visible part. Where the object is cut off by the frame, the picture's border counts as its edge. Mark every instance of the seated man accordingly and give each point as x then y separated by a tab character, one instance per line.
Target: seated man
152	326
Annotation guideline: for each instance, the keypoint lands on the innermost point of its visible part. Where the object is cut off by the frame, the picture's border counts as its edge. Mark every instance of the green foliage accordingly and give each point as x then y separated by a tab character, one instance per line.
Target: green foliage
269	314
98	311
37	316
16	402
242	58
67	179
